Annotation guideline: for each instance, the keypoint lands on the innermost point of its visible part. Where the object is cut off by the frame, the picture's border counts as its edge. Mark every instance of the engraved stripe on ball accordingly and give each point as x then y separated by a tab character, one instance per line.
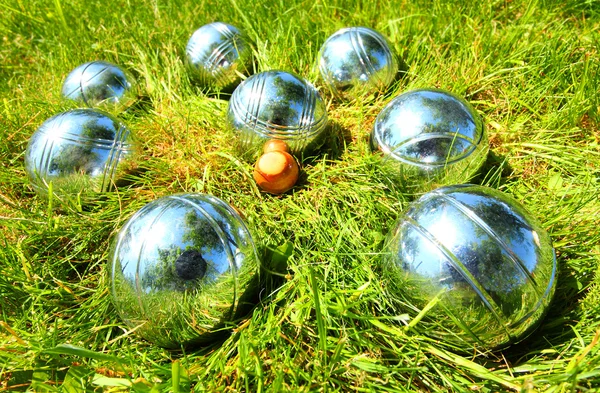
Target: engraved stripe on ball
89	79
325	72
544	297
397	151
354	38
390	72
364	55
87	142
76	88
114	156
258	98
306	101
46	156
459	267
490	232
45	159
305	120
215	57
224	29
307	123
245	111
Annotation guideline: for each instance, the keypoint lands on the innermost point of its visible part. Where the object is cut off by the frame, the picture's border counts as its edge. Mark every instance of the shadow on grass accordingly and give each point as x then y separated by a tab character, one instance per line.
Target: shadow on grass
140	108
333	146
401	78
494	172
336	138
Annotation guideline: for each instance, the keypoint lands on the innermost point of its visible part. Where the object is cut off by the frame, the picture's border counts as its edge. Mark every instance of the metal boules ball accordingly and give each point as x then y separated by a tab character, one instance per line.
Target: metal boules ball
480	265
100	84
276	105
182	269
430	138
218	56
79	151
356	62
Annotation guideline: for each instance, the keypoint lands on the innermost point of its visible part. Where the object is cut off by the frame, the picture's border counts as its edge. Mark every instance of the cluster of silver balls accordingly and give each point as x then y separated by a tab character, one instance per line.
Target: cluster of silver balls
180	266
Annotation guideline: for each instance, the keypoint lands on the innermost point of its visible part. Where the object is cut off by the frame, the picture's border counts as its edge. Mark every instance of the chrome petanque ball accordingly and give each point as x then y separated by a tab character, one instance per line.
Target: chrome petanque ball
276	105
182	268
99	84
218	55
430	138
478	260
357	61
79	151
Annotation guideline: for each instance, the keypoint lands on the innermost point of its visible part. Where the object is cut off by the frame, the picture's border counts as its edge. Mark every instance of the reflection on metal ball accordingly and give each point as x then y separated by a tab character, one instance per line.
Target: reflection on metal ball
484	263
79	151
357	61
276	105
100	84
217	55
429	138
182	268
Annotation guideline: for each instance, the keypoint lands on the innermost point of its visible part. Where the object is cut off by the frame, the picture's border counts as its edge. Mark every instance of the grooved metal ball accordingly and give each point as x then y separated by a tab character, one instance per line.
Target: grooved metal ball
357	61
276	105
182	269
218	55
100	84
79	151
429	138
484	265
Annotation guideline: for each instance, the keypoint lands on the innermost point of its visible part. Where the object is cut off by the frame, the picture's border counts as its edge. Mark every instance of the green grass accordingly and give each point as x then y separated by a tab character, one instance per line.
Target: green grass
530	68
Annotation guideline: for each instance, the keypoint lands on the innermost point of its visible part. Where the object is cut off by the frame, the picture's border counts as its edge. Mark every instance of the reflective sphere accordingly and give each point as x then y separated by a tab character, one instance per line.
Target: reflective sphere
357	61
428	138
217	54
100	84
473	253
79	151
182	268
276	105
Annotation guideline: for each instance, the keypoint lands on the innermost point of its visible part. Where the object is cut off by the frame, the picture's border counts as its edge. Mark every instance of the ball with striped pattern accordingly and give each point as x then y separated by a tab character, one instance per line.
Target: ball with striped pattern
429	138
183	270
276	105
357	61
218	55
473	264
79	151
100	84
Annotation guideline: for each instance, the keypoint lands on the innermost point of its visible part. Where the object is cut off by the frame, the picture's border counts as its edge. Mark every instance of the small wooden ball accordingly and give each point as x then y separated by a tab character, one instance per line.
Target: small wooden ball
276	172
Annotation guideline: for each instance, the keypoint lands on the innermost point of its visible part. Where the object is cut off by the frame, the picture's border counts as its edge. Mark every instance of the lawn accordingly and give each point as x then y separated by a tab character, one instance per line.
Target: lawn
325	323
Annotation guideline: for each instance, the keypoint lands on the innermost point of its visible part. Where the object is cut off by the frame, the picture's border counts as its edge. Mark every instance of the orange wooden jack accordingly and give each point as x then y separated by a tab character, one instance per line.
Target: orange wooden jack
276	171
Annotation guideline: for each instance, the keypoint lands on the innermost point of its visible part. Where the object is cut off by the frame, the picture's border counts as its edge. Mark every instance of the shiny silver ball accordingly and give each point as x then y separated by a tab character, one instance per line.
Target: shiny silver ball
99	84
429	138
483	264
357	61
276	105
218	55
79	151
182	268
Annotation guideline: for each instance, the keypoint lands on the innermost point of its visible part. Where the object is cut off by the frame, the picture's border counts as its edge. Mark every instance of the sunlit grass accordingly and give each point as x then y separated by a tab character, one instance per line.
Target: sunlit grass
531	69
